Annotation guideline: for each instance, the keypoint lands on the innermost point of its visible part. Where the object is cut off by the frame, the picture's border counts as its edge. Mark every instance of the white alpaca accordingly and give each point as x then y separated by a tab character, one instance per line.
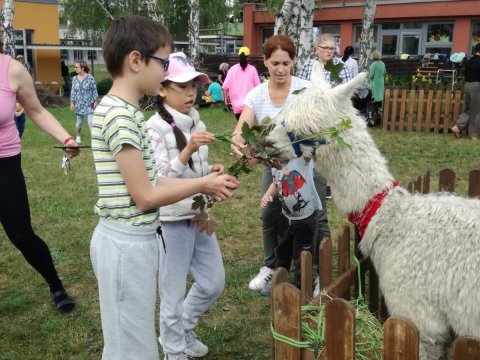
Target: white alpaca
425	248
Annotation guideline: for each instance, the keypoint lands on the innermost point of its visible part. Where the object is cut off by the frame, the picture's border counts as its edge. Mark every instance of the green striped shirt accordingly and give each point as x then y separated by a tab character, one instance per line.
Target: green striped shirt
115	122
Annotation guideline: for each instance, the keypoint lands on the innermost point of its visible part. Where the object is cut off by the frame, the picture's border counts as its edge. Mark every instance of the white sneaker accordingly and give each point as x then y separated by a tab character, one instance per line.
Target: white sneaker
195	348
78	139
316	290
175	357
264	276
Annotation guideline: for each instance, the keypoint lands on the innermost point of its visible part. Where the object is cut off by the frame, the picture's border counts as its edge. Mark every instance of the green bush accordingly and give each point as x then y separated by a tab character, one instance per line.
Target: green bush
104	85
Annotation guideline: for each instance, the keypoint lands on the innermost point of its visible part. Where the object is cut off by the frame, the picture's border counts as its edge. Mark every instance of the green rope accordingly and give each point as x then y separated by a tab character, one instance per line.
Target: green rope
287	340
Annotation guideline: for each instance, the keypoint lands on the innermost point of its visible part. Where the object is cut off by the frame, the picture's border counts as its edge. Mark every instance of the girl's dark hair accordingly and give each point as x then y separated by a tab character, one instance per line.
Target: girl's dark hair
179	136
243	61
346	54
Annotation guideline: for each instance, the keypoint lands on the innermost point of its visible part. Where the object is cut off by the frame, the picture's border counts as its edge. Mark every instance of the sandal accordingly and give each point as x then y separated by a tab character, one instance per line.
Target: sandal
62	301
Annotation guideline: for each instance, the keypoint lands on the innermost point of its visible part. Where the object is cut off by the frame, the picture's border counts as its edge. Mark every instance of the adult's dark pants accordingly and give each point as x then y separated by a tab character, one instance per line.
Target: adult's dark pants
271	215
15	219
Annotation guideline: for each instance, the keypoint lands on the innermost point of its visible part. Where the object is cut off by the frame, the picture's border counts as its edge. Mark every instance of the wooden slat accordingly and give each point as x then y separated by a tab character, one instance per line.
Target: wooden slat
403	105
474	183
400	339
344	255
280	275
325	266
306	276
339	330
466	348
428	115
286	319
457	105
386	109
394	110
420	107
426	183
417	187
446	180
410	187
446	111
343	282
411	108
438	109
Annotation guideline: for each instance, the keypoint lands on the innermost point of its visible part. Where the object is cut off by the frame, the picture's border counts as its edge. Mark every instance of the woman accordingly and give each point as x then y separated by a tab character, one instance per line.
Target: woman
267	100
16	83
350	63
469	121
377	80
222	73
83	96
241	78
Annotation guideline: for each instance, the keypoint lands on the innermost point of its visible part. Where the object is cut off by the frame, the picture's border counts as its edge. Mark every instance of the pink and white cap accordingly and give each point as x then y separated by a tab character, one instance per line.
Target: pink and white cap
181	70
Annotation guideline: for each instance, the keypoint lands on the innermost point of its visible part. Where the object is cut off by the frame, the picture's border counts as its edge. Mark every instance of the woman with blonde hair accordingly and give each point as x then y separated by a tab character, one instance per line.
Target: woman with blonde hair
222	72
377	79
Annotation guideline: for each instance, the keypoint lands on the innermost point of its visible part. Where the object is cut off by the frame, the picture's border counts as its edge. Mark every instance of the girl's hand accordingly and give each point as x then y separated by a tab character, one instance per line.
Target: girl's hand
266	199
218	168
236	150
220	187
198	139
72	107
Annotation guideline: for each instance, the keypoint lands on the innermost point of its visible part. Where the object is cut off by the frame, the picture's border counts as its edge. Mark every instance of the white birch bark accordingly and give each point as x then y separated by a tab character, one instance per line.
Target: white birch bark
194	31
366	38
7	26
295	19
152	10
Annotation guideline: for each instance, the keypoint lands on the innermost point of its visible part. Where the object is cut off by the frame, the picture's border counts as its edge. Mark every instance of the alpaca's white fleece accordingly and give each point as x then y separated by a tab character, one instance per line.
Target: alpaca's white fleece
425	248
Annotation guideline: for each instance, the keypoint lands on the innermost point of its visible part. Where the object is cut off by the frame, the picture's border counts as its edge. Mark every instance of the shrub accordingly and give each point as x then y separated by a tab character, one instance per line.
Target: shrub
104	85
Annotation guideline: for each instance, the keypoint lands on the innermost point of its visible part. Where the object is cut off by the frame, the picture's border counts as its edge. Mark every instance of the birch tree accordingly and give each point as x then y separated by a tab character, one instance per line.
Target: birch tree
366	38
6	18
194	31
295	19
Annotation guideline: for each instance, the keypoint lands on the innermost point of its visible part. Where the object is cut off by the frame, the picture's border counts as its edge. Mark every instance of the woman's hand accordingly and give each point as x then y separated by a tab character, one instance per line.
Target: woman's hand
266	199
71	152
236	150
218	168
220	187
72	107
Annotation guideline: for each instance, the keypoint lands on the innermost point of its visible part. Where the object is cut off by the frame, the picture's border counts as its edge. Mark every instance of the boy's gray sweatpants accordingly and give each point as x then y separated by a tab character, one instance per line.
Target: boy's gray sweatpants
186	251
125	262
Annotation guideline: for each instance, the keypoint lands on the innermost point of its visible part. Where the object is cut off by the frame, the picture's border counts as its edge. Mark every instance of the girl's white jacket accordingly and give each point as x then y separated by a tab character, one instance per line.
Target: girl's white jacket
166	156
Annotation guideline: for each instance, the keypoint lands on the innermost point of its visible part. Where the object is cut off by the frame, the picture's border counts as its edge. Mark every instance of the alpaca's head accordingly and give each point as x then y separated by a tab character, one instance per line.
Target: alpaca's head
316	109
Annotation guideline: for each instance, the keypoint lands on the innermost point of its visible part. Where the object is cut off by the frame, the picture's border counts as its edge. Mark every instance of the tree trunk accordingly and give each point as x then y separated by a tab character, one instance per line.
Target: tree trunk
295	19
152	10
366	38
194	31
8	31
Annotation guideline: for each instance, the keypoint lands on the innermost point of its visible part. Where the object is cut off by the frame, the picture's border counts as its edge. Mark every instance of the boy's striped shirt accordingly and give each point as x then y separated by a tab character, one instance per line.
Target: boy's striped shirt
115	123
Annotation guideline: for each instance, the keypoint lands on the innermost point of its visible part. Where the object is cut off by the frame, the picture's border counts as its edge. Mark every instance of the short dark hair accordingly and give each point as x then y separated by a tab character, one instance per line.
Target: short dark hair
129	33
279	42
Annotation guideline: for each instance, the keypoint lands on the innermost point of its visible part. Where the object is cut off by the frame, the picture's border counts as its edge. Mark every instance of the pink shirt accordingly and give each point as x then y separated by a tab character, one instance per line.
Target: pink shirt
10	144
238	83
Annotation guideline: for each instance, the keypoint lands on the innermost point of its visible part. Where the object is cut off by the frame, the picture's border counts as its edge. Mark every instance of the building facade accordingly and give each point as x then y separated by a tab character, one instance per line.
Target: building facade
414	27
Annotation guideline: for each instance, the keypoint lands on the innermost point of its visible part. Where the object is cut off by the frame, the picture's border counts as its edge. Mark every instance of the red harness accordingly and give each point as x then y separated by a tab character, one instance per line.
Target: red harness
362	219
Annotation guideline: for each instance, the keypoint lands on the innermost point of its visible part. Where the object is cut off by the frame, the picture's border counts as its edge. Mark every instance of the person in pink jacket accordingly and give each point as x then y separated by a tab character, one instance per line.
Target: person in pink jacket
241	78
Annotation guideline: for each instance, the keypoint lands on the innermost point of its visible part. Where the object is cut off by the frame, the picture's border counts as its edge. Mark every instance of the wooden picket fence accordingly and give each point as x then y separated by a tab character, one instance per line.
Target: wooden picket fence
400	339
427	109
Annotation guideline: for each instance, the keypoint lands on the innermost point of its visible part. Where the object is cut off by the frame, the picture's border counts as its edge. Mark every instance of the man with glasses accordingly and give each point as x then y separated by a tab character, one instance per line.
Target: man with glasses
325	48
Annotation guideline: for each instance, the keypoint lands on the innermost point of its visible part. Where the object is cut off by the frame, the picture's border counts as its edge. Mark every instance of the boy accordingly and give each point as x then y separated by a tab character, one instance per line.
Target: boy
124	248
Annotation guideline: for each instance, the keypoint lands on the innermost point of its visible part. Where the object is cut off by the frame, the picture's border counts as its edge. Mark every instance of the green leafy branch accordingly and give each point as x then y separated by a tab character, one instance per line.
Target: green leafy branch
335	70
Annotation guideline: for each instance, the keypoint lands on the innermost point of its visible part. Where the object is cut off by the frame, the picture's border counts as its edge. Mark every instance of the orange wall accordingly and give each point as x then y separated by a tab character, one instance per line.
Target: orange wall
43	19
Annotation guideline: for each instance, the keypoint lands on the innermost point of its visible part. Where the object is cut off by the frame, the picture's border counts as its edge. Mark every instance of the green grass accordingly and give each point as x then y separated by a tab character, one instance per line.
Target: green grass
237	326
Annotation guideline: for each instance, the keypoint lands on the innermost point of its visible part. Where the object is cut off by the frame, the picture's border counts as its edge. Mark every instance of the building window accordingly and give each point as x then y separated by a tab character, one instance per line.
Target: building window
92	55
440	34
266	32
64	55
78	55
475	34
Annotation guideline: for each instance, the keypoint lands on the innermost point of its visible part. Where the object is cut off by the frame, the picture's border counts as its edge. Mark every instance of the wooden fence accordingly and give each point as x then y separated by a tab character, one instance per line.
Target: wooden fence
400	339
428	109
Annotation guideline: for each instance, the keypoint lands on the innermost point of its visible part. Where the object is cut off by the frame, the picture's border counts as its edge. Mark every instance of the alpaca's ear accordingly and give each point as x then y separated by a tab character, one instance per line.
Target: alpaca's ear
317	78
346	90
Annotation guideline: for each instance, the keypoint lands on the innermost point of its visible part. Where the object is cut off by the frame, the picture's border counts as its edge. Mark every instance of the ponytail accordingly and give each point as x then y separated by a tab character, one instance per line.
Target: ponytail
179	135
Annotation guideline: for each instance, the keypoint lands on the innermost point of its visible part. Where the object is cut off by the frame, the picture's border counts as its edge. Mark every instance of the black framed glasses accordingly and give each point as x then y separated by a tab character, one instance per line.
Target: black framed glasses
327	48
165	62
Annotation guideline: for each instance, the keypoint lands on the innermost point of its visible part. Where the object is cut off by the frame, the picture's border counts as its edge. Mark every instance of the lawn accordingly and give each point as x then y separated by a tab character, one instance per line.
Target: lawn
237	326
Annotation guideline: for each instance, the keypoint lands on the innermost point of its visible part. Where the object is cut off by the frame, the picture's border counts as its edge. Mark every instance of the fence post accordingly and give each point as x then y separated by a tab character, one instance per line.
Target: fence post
474	183
344	255
446	181
339	330
466	348
325	266
420	105
280	275
386	109
306	276
287	300
426	182
400	339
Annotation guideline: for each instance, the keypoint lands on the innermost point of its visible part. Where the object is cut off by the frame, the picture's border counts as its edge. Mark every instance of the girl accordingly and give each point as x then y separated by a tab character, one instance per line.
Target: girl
83	96
179	140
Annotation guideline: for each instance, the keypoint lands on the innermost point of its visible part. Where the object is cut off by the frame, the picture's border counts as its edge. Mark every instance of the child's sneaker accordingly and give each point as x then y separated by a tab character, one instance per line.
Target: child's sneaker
175	357
264	276
78	139
267	289
195	348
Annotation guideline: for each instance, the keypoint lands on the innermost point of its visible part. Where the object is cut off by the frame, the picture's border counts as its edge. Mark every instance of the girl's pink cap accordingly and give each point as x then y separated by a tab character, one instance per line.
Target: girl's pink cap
181	70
